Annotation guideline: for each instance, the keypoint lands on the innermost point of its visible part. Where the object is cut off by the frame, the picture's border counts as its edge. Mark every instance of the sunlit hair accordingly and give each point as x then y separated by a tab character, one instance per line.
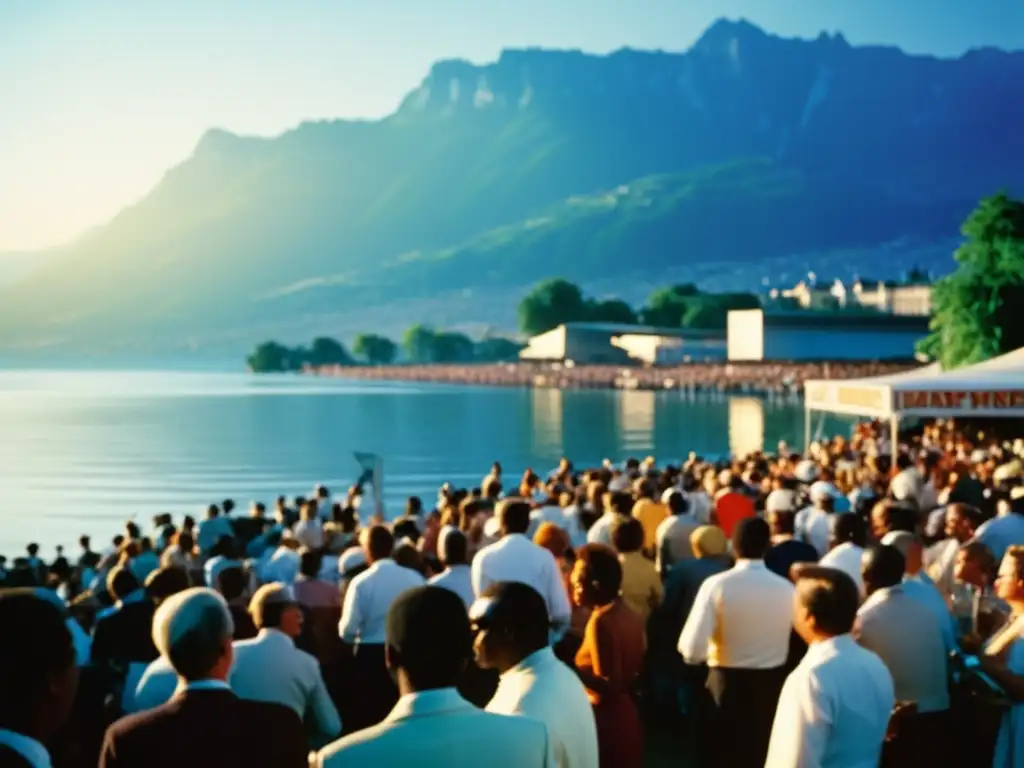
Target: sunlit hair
190	629
1016	554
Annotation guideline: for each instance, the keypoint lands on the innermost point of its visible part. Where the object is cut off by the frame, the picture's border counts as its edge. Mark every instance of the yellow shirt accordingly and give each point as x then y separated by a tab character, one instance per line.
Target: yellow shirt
650	514
641	587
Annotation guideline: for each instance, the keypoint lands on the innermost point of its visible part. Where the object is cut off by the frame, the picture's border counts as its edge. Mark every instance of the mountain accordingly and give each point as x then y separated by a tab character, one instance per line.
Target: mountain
620	167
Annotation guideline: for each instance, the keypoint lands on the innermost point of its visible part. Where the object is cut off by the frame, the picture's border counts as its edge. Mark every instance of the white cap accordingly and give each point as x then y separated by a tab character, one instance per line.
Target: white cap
823	490
780	500
351	558
807	471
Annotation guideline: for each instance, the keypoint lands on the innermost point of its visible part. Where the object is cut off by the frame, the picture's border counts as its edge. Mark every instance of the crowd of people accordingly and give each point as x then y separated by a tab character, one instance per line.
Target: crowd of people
780	379
861	604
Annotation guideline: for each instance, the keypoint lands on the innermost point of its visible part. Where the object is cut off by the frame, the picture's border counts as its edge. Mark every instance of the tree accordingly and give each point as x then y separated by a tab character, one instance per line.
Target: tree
976	310
376	350
418	344
271	357
452	347
549	304
612	311
666	306
325	351
497	350
710	311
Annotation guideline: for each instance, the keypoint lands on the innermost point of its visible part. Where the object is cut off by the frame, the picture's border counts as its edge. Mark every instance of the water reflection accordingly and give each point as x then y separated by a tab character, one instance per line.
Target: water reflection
746	425
547	413
636	413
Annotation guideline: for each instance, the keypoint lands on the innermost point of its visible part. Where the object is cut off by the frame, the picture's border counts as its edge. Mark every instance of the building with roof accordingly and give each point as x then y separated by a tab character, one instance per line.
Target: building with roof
766	335
623	344
910	297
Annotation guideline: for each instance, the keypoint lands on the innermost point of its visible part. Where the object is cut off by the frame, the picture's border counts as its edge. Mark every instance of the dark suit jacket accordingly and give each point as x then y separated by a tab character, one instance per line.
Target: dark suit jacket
11	759
126	635
207	729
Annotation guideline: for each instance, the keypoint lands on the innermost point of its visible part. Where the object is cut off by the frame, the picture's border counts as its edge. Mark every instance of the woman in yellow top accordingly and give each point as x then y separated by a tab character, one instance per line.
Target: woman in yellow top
641	586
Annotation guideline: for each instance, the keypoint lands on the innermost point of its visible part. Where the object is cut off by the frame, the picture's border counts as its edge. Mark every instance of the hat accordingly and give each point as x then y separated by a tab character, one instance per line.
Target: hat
709	541
823	490
806	471
780	500
350	559
903	487
268	595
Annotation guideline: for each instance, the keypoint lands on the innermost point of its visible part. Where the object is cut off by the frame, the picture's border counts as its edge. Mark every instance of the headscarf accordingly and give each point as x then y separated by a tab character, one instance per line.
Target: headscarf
553	538
708	541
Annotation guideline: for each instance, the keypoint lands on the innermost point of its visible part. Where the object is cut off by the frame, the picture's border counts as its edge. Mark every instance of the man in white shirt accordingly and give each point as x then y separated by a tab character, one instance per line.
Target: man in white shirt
834	708
812	523
848	536
282	565
452	548
428	645
363	617
740	625
511	626
919	586
906	636
672	538
38	677
515	558
270	668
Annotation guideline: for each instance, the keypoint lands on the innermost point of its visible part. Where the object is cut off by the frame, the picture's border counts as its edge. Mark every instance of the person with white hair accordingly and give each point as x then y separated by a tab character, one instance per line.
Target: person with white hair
812	523
204	725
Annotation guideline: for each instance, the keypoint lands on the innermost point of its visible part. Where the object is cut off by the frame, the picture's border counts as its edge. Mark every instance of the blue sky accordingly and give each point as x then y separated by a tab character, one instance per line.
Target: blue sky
100	97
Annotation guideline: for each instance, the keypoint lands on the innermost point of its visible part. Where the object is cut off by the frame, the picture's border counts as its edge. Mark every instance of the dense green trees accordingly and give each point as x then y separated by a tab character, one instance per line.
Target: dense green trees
558	301
976	310
272	357
376	350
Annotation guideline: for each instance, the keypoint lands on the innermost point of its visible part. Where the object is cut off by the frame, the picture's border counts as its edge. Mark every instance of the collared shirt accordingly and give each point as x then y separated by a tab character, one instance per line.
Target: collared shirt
35	754
459	580
1001	533
206	685
834	709
741	619
846	558
906	636
270	668
368	598
641	585
545	689
158	684
516	558
922	589
672	541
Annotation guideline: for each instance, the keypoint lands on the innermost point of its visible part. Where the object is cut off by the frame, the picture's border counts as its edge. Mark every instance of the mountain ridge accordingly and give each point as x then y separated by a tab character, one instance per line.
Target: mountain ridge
354	205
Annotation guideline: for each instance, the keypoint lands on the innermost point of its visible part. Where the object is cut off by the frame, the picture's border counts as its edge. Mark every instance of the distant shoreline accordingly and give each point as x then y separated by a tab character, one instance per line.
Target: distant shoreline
718	377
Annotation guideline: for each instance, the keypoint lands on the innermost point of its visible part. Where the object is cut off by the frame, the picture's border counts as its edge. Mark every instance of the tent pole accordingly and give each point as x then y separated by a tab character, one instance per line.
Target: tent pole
807	427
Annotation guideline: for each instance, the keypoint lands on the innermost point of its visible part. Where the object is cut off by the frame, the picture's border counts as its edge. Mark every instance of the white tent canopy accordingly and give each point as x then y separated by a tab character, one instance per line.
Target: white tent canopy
994	388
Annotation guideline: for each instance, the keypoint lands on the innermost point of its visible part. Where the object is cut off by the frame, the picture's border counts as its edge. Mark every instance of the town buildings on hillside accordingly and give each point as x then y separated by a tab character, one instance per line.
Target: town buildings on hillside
912	296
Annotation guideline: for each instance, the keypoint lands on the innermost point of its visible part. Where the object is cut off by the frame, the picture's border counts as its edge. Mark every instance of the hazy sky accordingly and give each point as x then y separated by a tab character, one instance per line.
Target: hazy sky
99	97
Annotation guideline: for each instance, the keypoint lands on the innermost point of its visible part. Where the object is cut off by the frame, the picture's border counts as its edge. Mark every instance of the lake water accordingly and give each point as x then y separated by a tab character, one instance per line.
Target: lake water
83	452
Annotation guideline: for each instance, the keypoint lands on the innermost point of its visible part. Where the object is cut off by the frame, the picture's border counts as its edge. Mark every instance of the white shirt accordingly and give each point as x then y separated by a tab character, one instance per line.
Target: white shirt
846	558
673	540
834	709
548	514
368	598
458	579
543	688
574	526
1001	533
906	636
741	619
922	589
601	531
309	533
270	668
700	505
516	558
30	749
282	566
158	684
